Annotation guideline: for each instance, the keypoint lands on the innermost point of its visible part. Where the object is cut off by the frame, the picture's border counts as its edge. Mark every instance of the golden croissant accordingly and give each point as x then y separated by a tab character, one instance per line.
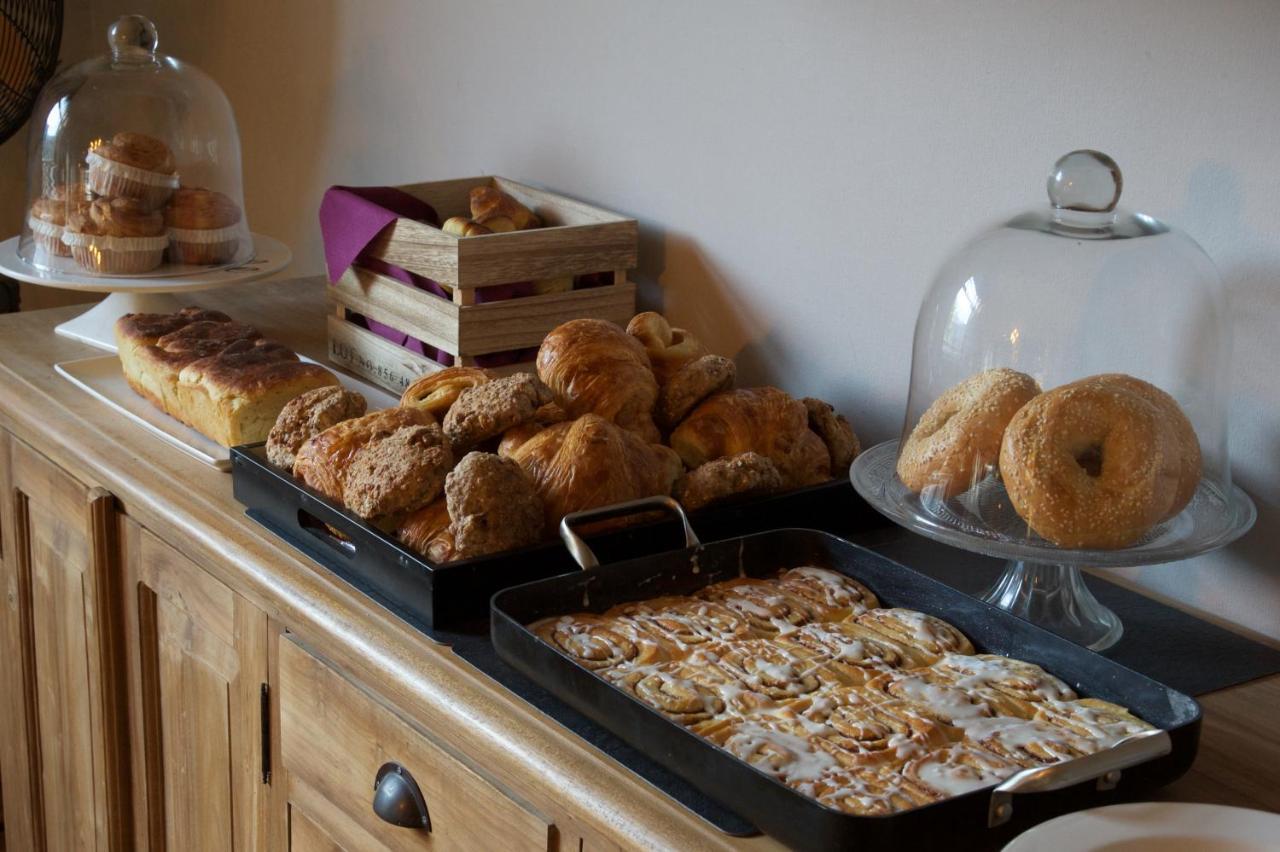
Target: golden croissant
594	367
589	462
761	420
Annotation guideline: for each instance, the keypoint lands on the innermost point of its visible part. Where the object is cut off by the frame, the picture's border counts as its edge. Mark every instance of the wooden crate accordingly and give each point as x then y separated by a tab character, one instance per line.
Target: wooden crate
576	239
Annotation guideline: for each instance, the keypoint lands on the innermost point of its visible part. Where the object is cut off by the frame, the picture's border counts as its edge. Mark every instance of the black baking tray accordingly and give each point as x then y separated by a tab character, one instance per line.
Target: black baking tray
456	595
961	822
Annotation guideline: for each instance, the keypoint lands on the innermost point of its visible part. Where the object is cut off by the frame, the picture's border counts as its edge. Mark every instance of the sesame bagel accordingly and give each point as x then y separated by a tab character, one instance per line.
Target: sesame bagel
1189	470
958	437
1092	464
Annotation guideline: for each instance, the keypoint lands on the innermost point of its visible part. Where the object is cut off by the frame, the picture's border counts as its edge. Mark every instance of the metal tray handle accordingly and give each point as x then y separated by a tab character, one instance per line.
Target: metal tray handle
1104	767
581	551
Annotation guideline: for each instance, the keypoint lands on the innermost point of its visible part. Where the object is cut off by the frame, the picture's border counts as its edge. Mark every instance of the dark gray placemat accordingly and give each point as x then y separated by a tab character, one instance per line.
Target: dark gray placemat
1165	644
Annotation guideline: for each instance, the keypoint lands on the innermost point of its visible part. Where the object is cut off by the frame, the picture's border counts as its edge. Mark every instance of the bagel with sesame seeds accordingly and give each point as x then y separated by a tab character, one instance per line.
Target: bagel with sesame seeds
957	440
1093	464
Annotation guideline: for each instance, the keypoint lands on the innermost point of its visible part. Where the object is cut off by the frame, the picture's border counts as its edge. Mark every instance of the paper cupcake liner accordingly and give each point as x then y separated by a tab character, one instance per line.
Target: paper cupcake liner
111	179
205	235
44	229
128	172
115	244
112	262
48	236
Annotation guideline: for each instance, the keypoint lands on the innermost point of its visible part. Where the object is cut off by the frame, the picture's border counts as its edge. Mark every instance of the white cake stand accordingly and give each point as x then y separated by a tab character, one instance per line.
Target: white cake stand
153	292
1042	582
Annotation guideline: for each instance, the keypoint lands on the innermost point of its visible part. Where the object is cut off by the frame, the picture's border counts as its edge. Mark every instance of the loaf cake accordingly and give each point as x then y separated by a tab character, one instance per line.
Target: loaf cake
218	376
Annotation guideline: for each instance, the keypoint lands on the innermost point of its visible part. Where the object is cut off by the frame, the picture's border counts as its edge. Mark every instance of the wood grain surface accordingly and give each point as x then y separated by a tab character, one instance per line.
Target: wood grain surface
594	802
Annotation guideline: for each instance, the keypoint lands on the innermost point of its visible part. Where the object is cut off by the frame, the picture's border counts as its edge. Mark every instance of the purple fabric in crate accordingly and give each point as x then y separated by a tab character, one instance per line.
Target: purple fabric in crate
352	216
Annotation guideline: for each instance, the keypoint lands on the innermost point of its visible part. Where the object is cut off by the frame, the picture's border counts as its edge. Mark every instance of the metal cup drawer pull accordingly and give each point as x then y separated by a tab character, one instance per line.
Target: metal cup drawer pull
398	800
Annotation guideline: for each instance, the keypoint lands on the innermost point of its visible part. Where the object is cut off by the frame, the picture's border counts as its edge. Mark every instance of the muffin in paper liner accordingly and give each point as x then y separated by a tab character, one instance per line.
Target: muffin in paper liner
204	246
48	236
116	255
110	178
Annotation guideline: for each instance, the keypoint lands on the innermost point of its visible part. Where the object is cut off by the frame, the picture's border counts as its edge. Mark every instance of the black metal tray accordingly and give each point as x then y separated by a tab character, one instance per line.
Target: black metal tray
978	819
456	595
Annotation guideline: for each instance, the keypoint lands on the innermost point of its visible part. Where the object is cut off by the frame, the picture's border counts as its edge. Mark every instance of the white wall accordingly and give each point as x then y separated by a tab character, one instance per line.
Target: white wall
799	170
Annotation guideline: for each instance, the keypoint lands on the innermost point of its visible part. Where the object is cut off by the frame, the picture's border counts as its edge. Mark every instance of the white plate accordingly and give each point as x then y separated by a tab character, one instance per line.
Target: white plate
103	378
1155	827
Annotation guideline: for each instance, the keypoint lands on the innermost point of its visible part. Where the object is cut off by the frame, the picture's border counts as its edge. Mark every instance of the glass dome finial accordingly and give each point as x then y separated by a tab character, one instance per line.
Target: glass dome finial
1085	180
133	40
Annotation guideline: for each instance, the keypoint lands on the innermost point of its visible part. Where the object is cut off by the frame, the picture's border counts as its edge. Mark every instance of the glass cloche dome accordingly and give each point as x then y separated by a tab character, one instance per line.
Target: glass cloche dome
1068	402
134	167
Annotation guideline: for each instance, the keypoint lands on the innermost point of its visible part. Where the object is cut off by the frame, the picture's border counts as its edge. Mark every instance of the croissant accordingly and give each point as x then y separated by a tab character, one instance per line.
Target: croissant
489	202
324	460
427	531
594	367
668	348
762	420
590	462
461	226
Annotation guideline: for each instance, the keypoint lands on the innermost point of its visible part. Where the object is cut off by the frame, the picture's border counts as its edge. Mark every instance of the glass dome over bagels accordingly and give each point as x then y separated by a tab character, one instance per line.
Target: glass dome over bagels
134	167
1074	289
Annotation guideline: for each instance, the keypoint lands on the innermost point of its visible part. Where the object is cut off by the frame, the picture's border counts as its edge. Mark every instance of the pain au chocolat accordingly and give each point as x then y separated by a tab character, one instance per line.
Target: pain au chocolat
220	377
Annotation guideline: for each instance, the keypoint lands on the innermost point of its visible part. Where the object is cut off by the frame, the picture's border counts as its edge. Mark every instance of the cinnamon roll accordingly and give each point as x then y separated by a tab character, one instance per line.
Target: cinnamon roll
1101	721
1027	742
1026	684
928	633
859	729
851	654
832	595
681	699
867	792
935	697
596	642
777	748
688	623
958	769
765	667
768	609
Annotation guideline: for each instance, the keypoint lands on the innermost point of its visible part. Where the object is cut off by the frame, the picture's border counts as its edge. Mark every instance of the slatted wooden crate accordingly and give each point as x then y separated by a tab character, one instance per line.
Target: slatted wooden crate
576	239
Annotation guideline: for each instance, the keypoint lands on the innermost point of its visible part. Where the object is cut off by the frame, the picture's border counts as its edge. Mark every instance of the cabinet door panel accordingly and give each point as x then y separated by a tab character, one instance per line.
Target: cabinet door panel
61	566
202	681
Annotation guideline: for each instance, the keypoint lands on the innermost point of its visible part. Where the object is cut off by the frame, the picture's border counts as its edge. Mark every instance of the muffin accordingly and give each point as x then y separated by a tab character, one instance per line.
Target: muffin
49	214
133	165
203	226
116	236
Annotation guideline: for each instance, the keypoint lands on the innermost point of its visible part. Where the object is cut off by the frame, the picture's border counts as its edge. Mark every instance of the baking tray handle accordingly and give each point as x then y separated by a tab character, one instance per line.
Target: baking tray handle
1104	767
581	551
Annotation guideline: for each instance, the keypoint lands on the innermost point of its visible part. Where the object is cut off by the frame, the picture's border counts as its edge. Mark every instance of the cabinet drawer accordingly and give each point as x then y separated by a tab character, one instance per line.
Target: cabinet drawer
335	737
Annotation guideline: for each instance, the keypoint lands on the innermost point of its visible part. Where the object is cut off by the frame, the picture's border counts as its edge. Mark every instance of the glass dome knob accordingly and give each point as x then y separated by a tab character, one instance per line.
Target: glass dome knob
133	40
1085	180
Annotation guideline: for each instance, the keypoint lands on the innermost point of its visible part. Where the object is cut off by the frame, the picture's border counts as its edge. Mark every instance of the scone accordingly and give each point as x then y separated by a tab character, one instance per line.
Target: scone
48	217
133	165
203	227
116	236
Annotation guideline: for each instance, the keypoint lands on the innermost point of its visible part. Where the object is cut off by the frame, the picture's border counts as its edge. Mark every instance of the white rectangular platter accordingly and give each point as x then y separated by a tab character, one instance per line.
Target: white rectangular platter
102	377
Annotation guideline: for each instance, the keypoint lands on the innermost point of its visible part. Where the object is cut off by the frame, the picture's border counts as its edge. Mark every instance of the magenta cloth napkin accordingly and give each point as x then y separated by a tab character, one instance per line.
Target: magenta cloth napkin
352	216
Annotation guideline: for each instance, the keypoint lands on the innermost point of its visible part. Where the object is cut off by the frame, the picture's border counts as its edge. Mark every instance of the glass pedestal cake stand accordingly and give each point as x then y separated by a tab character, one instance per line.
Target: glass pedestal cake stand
153	292
1042	583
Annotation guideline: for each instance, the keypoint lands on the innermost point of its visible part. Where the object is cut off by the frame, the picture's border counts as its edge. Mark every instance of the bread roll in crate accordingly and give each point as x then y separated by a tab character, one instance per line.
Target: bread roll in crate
506	264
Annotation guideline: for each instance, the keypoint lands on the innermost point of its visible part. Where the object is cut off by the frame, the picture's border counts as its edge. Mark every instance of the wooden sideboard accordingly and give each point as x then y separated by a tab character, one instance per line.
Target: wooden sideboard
172	677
